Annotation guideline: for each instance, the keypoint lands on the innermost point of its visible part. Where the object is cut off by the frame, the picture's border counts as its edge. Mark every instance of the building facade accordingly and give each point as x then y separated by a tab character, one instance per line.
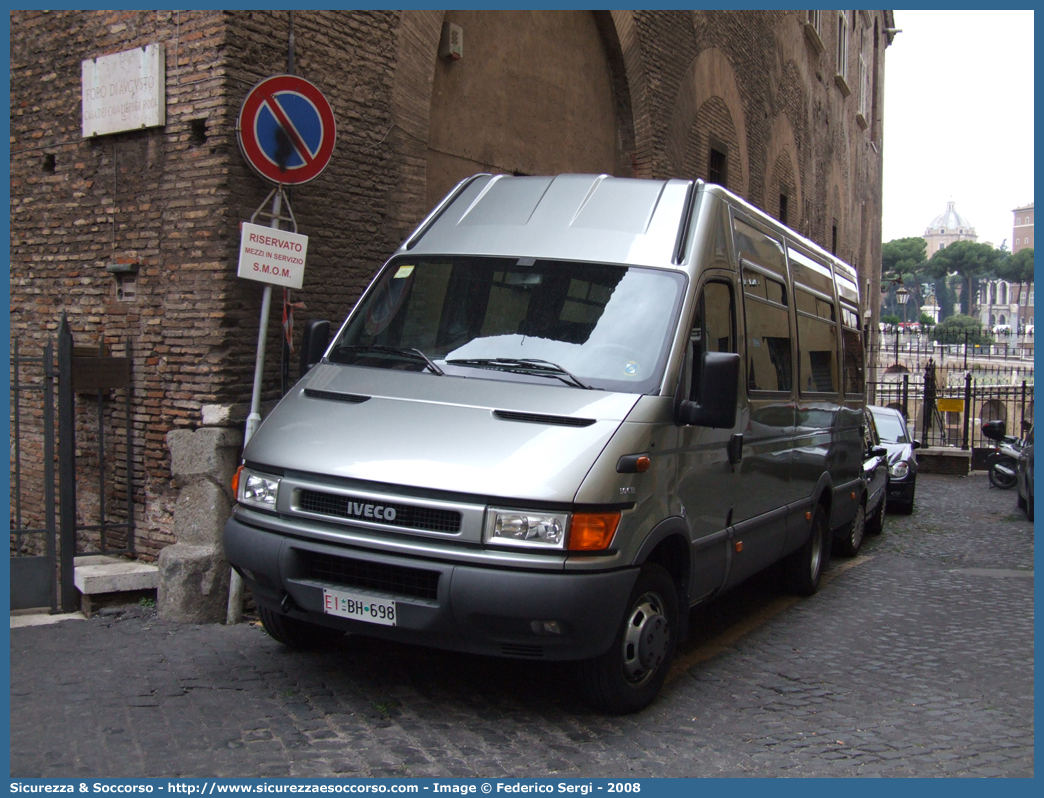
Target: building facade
134	235
1022	230
947	228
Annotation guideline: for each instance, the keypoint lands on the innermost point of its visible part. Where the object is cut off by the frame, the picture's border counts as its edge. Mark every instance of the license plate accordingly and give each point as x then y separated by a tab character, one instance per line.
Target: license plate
358	607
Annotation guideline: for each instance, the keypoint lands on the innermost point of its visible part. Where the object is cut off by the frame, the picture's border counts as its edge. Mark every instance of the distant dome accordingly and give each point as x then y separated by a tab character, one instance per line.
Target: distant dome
951	222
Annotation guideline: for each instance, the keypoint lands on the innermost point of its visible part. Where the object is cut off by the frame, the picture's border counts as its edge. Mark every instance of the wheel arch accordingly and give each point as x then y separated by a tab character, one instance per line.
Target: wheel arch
669	546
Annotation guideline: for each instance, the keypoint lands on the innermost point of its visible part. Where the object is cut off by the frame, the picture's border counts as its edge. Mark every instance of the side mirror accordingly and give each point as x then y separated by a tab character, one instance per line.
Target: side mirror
915	445
314	340
719	391
879	451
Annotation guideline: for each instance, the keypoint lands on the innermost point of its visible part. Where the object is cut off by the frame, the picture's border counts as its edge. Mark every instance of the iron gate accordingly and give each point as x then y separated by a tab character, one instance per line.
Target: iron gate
44	543
33	530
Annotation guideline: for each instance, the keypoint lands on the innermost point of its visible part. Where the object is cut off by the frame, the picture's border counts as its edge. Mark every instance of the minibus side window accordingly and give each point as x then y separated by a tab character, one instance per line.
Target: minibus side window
817	343
713	328
851	342
767	323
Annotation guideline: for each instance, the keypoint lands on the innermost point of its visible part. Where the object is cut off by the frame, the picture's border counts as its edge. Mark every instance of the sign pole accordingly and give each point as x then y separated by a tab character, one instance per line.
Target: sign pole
254	419
286	131
234	611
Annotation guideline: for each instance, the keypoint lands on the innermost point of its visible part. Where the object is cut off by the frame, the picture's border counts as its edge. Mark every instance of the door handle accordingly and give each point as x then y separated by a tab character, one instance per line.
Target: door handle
735	448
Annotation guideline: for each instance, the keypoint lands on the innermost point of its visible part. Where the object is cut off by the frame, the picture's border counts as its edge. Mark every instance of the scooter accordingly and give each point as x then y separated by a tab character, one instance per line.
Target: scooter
1002	464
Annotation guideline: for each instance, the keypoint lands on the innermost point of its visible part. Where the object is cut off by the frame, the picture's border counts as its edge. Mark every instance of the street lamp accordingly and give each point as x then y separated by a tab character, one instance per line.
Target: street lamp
902	296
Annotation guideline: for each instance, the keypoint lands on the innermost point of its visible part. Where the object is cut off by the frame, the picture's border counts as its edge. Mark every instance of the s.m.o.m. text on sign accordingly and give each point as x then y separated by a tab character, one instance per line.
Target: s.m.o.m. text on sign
125	91
272	256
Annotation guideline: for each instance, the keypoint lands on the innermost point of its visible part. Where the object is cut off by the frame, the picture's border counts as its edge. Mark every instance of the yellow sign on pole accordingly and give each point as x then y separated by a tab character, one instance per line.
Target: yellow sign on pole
950	405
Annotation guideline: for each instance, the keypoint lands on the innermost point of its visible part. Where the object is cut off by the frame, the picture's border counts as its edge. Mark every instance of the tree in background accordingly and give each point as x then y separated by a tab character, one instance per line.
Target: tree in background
954	329
1018	270
903	261
970	260
903	256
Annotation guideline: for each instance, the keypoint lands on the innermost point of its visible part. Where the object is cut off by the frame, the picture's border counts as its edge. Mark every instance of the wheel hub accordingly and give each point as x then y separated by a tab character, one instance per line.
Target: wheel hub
647	639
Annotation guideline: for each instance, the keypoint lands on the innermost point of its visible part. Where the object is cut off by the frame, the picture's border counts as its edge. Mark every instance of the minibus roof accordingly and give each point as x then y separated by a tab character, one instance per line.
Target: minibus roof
576	217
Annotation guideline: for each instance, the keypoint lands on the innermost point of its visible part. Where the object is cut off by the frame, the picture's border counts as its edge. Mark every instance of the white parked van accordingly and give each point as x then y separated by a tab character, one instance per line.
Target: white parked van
564	412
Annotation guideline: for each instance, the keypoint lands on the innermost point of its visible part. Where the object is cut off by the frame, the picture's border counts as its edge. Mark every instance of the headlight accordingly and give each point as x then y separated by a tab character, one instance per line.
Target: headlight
558	531
255	490
899	470
523	528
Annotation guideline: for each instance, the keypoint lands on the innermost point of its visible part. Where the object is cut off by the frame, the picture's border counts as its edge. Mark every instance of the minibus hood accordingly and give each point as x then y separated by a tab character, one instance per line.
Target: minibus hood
478	436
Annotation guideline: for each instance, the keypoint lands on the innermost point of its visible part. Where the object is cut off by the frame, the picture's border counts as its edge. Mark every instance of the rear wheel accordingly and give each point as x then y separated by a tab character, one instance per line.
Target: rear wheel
803	569
296	634
851	539
629	675
875	526
1002	473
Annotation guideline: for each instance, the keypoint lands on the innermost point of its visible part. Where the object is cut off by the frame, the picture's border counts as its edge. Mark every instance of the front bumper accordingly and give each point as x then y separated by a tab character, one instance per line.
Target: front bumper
902	491
482	610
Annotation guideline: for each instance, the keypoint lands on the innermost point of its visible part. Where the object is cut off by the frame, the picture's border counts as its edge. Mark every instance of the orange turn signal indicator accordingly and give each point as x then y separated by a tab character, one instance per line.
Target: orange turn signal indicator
235	481
592	531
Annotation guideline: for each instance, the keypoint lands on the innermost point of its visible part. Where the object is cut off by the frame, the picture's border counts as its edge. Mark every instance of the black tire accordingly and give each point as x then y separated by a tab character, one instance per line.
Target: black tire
296	634
851	536
802	570
627	677
1002	480
1020	502
1029	508
875	525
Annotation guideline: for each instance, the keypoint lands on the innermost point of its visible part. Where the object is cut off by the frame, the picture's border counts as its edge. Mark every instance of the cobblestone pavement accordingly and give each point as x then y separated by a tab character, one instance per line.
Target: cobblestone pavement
914	659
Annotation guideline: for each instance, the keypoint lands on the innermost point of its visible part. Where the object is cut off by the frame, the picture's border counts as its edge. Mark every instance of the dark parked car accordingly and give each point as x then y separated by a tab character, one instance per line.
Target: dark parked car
902	462
1025	476
869	518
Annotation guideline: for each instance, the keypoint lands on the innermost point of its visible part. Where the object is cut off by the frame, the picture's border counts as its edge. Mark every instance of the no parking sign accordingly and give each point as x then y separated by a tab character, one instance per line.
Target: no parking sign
286	130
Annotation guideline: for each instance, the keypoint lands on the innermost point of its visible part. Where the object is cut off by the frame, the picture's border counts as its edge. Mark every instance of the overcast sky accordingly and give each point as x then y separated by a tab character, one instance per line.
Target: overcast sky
958	123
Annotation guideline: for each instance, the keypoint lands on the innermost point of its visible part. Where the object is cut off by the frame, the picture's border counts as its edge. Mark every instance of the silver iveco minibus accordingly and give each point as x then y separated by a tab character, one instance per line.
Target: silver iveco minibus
564	412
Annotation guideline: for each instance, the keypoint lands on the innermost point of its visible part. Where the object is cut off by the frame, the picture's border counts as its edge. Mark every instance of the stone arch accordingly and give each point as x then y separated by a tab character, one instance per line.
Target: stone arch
993	410
448	123
709	77
837	209
636	113
418	43
783	168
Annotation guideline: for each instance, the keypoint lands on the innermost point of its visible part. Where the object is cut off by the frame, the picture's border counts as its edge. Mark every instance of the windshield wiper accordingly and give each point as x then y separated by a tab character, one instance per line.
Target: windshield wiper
404	351
539	368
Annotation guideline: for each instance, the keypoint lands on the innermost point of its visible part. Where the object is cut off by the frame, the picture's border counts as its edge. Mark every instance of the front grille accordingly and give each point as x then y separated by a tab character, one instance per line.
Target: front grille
397	580
423	518
521	650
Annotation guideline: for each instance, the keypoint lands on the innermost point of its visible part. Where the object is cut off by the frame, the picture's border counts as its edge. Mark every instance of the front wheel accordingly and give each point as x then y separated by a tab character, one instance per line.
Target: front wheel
1002	473
296	634
628	676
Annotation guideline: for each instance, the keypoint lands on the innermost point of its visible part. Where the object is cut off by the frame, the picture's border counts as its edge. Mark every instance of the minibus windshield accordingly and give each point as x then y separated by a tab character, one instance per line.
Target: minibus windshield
584	325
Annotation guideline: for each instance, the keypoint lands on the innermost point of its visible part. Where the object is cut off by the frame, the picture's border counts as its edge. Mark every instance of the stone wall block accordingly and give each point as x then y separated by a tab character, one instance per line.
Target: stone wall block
200	512
193	573
193	584
208	452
